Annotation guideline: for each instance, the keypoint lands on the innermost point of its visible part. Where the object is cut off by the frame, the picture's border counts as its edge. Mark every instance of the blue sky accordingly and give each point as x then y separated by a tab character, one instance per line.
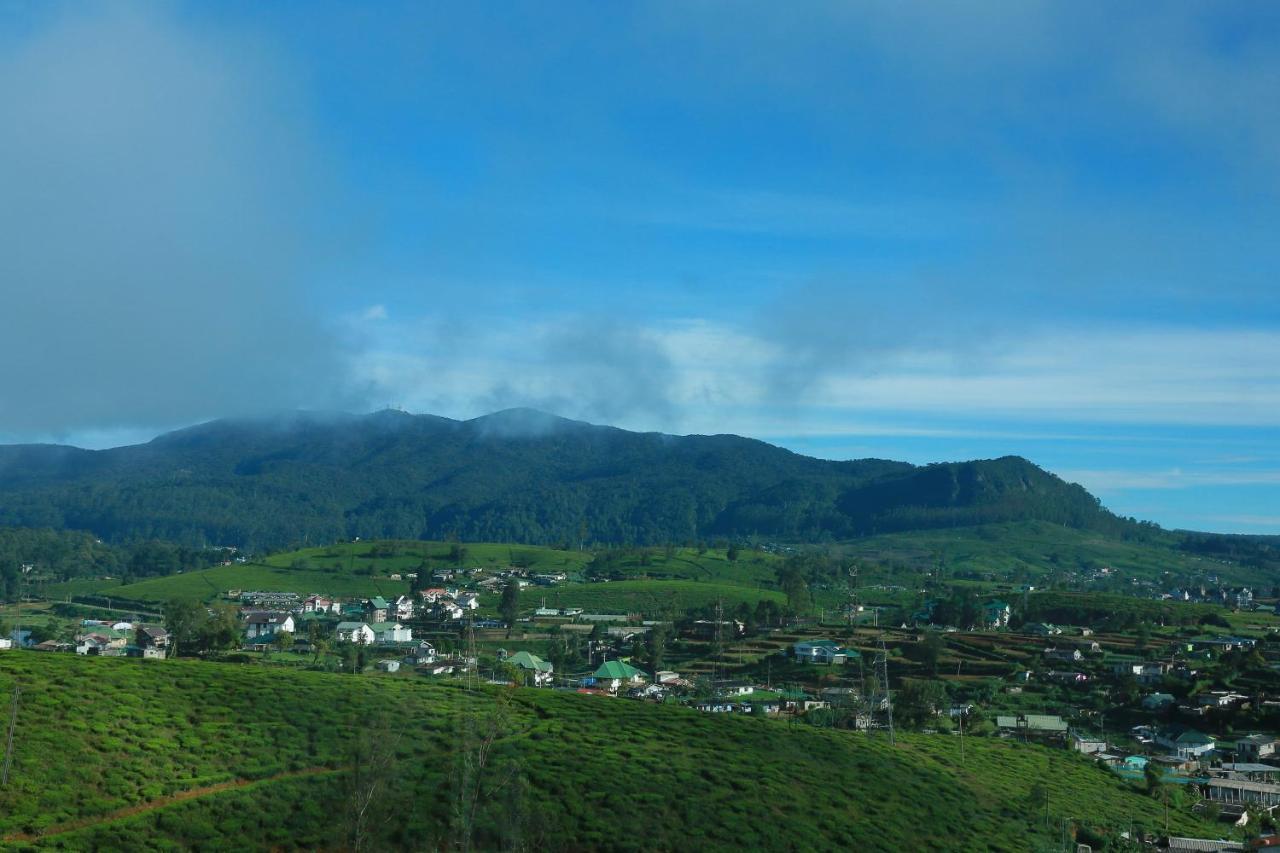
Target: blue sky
917	231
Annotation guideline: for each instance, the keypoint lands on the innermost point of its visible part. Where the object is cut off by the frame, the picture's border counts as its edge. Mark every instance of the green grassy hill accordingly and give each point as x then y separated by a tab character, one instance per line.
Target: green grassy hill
185	754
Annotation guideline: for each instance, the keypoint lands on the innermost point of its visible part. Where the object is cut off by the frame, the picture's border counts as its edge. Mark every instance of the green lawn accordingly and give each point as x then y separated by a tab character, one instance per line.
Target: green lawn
96	737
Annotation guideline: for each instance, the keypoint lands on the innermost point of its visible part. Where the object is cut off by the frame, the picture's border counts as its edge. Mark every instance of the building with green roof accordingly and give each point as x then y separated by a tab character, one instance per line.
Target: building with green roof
612	674
536	670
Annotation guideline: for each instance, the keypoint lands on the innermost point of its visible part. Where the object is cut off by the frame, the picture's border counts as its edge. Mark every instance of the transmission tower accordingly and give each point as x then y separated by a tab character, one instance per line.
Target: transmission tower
881	698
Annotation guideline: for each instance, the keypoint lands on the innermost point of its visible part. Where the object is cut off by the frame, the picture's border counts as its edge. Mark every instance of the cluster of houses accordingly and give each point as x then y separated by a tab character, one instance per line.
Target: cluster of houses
1237	598
1238	771
115	639
364	621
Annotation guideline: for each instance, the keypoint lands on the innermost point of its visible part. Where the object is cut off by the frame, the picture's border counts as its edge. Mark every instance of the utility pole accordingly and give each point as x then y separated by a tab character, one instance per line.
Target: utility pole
13	722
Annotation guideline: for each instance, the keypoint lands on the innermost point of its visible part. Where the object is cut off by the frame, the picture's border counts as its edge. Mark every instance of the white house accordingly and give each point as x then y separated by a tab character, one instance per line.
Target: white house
391	632
1185	743
403	607
355	632
267	623
822	651
1256	747
467	600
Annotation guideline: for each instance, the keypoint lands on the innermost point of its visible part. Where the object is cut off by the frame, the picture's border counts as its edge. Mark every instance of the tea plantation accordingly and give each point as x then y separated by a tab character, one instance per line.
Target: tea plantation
157	755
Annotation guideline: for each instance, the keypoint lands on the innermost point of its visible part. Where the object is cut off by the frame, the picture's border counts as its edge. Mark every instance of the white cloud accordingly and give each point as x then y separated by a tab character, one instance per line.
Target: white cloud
700	374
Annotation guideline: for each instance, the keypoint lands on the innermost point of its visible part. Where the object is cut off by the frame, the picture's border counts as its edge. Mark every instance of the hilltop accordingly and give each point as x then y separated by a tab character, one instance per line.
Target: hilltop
514	476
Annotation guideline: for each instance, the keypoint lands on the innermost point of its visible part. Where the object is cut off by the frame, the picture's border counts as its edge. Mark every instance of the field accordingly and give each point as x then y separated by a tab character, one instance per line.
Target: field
650	597
163	754
1033	550
399	556
207	584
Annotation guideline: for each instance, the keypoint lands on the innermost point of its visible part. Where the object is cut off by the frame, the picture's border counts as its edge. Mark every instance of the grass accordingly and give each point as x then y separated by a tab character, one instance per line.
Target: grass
1036	549
207	584
650	597
399	556
98	740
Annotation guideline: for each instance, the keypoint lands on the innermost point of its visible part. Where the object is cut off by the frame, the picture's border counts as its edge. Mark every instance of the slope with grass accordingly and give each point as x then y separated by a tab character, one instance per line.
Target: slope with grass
1034	550
652	598
113	753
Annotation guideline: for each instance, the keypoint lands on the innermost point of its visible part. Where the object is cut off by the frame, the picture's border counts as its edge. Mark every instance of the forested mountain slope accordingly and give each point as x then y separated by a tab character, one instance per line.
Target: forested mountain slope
517	475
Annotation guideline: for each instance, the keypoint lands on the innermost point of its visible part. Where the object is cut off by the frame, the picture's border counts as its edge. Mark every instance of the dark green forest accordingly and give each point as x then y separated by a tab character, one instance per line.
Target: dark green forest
517	476
59	555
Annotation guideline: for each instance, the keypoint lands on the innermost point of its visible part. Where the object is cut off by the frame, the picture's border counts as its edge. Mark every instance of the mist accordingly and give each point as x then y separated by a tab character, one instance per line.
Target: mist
155	235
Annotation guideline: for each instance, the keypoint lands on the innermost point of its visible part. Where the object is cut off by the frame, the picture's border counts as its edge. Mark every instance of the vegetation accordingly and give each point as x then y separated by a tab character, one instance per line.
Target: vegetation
515	476
159	754
59	555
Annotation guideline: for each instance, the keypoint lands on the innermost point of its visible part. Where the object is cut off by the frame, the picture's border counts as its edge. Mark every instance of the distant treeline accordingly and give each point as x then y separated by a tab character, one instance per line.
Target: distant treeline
59	555
1258	552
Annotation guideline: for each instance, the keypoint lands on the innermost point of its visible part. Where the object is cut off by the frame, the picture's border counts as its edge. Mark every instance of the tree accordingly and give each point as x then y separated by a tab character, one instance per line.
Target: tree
509	606
182	618
283	641
931	650
919	701
796	589
656	647
220	630
732	554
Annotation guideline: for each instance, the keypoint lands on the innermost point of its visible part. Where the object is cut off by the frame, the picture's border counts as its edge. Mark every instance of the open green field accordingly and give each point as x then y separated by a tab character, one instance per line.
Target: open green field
150	755
650	597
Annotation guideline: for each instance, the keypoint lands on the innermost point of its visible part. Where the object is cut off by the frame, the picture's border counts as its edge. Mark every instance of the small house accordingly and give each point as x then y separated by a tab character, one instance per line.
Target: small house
996	613
387	633
612	674
152	637
355	632
535	670
1185	743
376	608
822	651
1256	747
265	624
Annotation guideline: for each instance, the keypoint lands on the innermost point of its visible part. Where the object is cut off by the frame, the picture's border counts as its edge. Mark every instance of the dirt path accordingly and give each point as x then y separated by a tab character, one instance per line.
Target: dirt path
152	805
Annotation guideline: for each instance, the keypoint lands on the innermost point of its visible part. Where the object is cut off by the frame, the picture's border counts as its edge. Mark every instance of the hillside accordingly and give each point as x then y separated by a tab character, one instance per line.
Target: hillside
113	754
516	476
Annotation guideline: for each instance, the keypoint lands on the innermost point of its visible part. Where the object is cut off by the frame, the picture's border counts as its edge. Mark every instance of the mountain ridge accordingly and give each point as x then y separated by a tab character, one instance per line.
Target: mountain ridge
517	475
